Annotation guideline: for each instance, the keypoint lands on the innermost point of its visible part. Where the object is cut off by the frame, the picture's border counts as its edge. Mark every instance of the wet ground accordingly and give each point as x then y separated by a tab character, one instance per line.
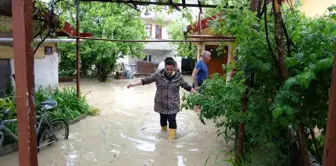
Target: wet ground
127	133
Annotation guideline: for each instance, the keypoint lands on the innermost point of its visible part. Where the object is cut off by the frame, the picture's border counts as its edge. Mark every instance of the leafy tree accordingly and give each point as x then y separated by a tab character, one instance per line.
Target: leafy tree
110	21
175	31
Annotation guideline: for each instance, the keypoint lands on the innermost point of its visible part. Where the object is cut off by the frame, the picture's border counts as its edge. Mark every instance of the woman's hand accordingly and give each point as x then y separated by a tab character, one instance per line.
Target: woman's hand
197	108
134	85
130	86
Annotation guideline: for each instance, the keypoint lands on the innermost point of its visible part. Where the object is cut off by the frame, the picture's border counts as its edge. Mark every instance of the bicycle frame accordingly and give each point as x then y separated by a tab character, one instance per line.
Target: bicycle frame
4	128
14	136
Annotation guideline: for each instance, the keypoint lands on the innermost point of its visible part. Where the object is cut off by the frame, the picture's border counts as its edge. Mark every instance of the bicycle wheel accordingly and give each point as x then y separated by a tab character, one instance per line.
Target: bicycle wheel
48	135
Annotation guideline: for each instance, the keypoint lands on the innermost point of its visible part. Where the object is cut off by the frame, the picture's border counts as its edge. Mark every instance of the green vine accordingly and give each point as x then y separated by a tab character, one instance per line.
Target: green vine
273	106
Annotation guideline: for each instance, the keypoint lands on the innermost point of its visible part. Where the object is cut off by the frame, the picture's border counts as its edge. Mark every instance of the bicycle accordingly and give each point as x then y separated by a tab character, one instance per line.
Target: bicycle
45	129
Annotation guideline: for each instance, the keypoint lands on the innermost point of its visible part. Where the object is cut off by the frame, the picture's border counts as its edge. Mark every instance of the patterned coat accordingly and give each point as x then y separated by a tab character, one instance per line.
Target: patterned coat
167	97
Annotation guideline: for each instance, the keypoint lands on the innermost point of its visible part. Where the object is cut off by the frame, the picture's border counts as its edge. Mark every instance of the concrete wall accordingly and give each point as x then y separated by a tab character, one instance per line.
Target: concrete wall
45	71
45	67
160	46
154	23
157	58
164	34
158	51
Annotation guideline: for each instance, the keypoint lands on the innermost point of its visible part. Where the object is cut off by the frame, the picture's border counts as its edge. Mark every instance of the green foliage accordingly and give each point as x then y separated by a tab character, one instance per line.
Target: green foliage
67	64
274	106
110	21
7	103
68	106
3	28
186	49
332	10
317	147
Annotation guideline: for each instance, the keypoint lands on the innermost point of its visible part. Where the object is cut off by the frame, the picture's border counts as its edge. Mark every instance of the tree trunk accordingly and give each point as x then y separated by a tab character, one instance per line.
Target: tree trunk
249	83
241	135
280	44
303	146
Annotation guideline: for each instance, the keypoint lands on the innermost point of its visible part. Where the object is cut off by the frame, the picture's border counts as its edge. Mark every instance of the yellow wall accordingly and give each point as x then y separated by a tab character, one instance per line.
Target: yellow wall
7	52
201	45
315	7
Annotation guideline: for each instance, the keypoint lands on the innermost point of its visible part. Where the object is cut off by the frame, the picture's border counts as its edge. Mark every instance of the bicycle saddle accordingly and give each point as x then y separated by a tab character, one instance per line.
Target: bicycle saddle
50	103
6	113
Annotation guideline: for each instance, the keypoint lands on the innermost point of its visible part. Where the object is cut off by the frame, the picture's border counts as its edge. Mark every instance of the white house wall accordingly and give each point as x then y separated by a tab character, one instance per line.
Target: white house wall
158	50
161	46
45	71
164	35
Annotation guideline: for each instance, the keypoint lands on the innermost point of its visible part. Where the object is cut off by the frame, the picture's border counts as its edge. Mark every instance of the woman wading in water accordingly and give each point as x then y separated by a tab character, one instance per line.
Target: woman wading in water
167	97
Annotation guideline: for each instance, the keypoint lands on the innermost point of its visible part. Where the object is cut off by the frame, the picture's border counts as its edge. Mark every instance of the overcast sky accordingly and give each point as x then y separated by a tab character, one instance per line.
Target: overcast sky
176	13
194	9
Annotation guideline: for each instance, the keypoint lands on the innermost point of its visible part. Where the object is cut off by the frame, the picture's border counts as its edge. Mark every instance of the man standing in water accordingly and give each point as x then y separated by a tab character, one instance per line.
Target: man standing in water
167	97
201	72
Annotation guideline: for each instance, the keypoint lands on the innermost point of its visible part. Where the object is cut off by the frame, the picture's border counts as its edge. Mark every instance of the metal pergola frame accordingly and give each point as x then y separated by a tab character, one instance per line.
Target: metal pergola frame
200	39
135	3
24	65
24	69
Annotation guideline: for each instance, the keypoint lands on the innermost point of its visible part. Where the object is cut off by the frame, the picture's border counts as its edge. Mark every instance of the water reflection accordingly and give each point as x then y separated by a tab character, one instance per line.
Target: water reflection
127	132
180	161
141	145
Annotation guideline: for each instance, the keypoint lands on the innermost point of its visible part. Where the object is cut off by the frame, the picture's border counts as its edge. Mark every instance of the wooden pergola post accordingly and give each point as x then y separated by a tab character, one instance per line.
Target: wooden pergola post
24	84
329	152
77	48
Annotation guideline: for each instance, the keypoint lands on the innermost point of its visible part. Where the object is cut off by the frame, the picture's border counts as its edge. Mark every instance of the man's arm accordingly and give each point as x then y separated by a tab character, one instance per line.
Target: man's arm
198	67
195	72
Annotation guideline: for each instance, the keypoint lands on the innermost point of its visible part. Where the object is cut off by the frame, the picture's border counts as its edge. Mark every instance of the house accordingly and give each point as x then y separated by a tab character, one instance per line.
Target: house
225	56
221	52
46	57
156	52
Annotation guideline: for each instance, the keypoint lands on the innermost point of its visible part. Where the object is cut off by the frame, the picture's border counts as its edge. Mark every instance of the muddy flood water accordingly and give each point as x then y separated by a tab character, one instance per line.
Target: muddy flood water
127	133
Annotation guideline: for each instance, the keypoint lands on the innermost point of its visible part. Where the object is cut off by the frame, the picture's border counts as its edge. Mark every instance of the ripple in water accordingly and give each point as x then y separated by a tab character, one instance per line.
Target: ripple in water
141	145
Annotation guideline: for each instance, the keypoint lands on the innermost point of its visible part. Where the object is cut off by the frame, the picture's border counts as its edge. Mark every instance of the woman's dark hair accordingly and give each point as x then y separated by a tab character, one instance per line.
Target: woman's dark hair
169	61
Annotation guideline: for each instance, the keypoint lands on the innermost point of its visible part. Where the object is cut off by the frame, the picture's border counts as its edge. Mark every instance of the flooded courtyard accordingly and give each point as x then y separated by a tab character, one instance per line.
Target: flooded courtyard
127	133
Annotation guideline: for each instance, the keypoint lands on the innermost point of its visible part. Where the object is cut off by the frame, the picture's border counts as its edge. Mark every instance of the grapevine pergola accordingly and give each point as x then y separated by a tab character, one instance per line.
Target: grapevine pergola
24	65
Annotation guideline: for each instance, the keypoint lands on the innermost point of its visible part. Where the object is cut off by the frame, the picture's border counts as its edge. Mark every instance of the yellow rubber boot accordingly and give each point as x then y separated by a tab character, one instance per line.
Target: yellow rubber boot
164	128
172	134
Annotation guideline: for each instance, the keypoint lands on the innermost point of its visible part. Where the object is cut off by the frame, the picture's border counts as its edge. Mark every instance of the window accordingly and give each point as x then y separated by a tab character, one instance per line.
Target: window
48	50
148	58
149	30
158	32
